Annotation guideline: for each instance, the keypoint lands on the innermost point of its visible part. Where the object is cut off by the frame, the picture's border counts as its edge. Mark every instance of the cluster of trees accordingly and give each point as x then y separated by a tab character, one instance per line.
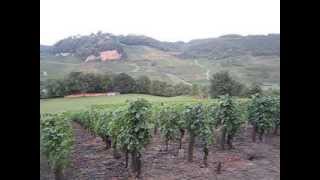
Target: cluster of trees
222	83
148	41
233	45
74	83
83	46
78	82
221	47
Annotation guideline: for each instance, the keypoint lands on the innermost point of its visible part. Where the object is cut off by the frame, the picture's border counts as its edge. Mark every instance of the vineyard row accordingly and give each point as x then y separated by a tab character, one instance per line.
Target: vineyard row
127	129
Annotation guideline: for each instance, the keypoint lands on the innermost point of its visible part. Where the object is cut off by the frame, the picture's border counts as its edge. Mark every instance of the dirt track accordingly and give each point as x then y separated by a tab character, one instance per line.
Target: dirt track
90	161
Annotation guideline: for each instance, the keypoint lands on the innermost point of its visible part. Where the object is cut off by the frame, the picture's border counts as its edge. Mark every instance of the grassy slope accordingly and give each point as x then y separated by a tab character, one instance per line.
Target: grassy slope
64	104
57	67
161	65
247	68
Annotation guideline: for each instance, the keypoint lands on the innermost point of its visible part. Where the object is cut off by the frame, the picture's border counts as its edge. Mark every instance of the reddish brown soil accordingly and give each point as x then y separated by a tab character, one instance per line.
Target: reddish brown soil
110	55
90	161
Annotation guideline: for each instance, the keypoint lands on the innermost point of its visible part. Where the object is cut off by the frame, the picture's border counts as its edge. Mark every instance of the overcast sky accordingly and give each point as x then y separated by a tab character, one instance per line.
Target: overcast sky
166	20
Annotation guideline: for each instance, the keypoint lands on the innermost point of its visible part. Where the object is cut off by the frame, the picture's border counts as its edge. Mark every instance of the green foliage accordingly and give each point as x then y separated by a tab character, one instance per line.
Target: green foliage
56	139
204	91
54	88
96	120
101	126
227	115
206	132
155	115
262	111
143	85
182	89
169	123
116	125
194	116
223	53
254	89
271	92
83	46
231	46
195	90
129	125
198	123
211	114
124	83
276	110
77	82
135	132
222	83
161	88
179	108
158	88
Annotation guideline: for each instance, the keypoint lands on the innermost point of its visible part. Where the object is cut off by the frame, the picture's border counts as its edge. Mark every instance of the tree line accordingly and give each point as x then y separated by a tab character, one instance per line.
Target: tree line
221	83
79	82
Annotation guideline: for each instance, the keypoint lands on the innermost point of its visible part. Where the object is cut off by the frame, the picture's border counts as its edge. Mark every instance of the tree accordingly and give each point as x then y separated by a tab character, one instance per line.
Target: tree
91	83
204	91
182	89
194	116
195	90
106	82
222	83
169	91
255	88
135	133
55	88
73	84
143	85
124	83
158	88
42	90
227	119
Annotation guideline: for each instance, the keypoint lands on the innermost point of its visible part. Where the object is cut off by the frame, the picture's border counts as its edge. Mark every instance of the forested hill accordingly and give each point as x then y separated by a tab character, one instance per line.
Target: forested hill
212	48
254	58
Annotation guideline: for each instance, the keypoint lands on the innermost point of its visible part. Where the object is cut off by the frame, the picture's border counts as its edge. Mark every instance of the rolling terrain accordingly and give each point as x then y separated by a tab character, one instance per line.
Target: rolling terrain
248	58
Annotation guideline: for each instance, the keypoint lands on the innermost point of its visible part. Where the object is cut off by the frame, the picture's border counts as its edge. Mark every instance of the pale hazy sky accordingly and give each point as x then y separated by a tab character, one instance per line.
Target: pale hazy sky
166	20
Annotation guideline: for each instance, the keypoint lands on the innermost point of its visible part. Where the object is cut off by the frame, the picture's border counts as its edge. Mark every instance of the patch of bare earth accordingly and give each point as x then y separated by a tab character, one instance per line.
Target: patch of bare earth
90	160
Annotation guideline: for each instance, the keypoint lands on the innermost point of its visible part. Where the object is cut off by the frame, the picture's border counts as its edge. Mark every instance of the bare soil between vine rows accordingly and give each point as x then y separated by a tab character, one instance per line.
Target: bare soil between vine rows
90	161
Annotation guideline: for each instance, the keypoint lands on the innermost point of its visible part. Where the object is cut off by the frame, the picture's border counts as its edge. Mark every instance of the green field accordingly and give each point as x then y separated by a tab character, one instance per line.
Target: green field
71	104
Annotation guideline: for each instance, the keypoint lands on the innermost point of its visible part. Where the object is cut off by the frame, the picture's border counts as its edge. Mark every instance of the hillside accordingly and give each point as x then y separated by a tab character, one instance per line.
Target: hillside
248	58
